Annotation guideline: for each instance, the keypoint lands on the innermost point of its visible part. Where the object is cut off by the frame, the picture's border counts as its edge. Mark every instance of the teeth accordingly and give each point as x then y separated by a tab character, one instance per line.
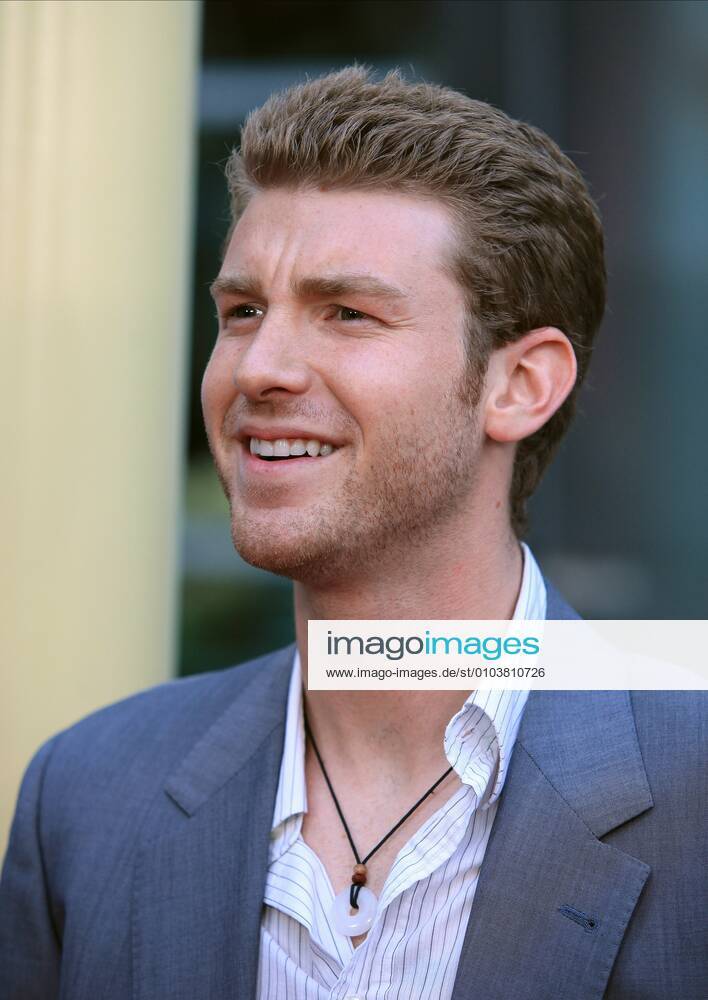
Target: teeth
283	447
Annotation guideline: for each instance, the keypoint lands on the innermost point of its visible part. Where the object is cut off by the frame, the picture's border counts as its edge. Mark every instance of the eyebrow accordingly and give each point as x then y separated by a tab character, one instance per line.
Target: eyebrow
235	284
312	287
337	285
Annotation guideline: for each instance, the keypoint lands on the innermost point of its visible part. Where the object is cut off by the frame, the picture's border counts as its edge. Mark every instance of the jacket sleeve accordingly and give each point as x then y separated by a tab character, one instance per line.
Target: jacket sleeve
29	944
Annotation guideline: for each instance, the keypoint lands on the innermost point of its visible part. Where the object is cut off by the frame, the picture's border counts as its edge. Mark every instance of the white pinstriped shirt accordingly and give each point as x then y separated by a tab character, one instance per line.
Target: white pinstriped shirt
413	948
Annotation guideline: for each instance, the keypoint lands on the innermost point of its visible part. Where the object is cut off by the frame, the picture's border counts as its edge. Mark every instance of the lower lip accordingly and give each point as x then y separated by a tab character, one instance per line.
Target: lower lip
253	465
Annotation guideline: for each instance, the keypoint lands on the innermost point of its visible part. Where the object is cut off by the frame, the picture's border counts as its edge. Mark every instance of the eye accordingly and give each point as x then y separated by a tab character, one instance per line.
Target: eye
244	311
349	315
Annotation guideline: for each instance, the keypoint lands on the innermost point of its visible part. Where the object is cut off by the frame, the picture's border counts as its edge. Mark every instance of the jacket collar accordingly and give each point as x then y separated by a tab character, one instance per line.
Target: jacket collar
585	743
247	723
553	902
200	870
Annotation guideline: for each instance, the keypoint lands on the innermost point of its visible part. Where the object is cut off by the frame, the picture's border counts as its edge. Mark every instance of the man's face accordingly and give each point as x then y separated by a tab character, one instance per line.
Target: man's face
339	324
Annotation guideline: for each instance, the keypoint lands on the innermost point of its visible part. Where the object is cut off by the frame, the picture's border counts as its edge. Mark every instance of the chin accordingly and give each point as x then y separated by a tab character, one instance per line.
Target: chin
301	555
316	552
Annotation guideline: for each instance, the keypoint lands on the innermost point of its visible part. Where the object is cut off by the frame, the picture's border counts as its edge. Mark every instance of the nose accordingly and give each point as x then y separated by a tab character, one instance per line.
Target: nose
274	361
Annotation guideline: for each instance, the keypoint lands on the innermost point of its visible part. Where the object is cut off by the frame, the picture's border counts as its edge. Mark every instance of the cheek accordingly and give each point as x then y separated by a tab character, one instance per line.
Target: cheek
391	400
368	385
217	386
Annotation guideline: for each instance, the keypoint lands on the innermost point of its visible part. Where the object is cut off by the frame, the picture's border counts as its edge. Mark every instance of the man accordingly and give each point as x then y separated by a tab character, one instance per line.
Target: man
406	305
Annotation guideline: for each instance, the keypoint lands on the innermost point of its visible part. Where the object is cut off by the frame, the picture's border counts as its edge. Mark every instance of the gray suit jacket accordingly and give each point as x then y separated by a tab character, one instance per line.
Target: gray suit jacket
139	849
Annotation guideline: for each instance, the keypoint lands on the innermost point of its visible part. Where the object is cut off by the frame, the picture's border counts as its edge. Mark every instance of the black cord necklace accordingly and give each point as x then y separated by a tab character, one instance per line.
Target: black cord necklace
351	915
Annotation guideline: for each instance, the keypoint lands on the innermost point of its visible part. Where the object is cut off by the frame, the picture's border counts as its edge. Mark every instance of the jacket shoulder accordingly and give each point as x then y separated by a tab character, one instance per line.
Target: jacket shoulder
171	714
119	757
672	729
82	808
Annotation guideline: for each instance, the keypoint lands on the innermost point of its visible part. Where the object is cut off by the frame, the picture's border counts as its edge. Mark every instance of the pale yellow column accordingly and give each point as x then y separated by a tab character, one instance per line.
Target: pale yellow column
96	157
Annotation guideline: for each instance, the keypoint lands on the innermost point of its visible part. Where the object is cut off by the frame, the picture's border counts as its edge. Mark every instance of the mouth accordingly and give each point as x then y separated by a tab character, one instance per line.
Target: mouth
285	449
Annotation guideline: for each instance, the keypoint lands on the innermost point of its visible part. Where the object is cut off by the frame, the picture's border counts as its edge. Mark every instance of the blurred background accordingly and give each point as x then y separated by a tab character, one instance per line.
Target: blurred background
116	120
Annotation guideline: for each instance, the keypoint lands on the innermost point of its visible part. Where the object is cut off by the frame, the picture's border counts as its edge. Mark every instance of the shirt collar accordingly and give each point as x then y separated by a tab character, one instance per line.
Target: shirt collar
478	739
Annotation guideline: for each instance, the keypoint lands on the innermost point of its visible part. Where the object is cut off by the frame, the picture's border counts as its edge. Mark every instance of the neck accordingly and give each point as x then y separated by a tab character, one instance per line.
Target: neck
454	576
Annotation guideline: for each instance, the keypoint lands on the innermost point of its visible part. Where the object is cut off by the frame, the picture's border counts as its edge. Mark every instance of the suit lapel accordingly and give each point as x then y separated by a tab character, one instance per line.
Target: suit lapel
200	874
553	902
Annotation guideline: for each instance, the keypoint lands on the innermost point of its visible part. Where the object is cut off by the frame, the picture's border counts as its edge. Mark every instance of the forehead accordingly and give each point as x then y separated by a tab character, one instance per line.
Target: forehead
284	233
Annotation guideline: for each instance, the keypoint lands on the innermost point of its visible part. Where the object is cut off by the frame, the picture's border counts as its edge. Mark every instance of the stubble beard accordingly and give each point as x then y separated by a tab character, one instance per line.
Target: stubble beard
412	490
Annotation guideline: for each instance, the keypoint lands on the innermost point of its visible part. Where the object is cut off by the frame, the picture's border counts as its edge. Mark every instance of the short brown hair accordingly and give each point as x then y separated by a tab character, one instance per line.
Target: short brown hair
530	245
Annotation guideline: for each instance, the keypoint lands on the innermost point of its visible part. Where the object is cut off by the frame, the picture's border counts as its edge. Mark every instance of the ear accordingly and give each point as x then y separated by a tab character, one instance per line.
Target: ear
526	382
